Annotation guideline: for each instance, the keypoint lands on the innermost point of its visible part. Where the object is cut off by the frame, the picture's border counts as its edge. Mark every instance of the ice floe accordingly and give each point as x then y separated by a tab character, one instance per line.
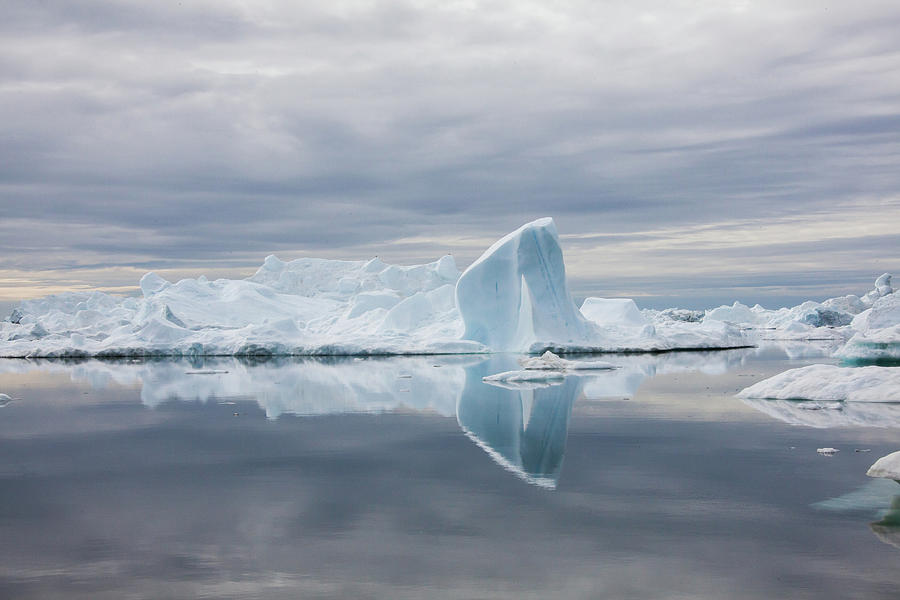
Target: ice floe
544	370
550	361
525	377
830	383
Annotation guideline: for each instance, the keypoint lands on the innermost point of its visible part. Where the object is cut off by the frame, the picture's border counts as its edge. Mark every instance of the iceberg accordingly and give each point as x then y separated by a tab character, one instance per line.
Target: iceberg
876	331
887	467
829	383
515	297
830	320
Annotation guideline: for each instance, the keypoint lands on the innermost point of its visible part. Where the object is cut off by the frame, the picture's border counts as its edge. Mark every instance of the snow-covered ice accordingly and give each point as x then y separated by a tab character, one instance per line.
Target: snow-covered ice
876	331
515	295
513	298
551	361
525	376
835	319
830	383
613	311
887	467
545	370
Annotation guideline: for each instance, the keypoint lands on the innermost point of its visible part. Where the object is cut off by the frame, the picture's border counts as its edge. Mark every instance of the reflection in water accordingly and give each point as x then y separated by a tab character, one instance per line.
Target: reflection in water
822	415
872	497
106	497
523	430
825	415
888	528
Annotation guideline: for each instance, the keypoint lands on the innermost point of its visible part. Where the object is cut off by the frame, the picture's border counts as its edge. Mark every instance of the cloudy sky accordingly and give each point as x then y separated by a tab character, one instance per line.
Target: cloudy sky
691	152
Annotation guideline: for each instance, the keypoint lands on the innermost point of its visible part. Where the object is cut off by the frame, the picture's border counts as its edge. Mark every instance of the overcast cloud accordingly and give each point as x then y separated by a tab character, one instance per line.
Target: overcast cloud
701	150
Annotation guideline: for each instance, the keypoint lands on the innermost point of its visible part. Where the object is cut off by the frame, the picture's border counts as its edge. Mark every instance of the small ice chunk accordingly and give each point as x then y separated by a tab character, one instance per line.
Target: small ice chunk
527	375
550	361
887	467
206	372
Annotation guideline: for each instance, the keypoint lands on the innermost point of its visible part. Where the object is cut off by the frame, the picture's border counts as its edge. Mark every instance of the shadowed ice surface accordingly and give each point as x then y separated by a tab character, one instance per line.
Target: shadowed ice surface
360	478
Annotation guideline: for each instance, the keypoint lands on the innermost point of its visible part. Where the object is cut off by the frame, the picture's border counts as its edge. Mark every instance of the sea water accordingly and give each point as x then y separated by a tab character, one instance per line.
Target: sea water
410	478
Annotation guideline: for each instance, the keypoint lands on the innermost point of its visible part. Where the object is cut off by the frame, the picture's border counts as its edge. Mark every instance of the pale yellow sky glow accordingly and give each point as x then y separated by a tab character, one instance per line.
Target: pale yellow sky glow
710	249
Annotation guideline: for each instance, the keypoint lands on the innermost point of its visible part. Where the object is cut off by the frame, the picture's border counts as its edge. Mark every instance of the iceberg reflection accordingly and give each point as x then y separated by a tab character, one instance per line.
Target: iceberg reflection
888	528
825	415
523	430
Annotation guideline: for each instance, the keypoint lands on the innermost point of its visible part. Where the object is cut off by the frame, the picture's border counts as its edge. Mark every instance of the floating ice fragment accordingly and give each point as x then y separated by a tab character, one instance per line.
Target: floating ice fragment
527	375
550	361
206	372
830	383
887	467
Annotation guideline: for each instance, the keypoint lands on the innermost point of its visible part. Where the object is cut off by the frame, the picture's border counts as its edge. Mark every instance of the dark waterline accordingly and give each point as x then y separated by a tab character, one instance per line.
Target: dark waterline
409	477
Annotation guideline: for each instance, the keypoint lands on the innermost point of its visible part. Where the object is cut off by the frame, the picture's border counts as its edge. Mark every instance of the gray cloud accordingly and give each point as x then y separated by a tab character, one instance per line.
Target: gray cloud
211	134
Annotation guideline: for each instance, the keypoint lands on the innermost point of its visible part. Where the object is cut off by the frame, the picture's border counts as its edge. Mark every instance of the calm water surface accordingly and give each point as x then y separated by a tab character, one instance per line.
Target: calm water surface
410	478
